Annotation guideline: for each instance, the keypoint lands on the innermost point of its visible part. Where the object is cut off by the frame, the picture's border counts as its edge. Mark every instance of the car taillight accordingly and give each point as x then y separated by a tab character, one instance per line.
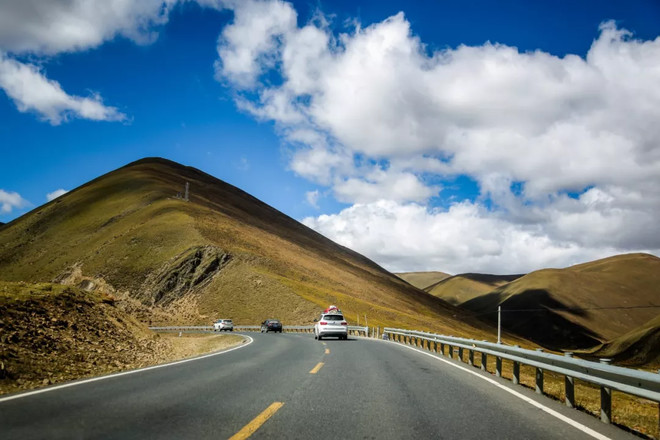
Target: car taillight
344	323
323	323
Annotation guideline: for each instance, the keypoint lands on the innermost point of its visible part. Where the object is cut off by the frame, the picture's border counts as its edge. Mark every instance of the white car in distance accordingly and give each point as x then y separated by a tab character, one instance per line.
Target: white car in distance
331	324
223	325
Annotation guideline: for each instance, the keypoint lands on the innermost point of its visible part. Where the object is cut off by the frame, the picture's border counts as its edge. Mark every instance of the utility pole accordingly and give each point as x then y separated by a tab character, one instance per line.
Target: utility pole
185	196
499	324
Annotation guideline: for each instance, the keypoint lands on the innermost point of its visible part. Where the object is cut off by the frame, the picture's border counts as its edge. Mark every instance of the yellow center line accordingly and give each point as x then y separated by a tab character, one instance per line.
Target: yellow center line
327	351
317	368
256	423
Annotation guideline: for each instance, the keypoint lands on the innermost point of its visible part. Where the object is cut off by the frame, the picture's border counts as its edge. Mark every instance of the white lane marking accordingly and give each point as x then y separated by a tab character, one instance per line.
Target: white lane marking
123	373
532	402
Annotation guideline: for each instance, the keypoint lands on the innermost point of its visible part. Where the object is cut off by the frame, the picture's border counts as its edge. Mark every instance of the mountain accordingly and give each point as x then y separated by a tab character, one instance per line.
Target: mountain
223	254
464	287
422	280
579	306
640	346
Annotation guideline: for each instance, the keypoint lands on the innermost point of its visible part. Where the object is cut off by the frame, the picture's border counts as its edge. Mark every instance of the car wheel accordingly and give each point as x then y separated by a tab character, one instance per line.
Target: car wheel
320	337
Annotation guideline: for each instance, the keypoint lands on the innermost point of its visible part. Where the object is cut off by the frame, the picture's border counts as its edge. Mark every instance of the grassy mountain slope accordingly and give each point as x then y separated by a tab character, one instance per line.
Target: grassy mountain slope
605	299
637	347
464	287
222	254
422	280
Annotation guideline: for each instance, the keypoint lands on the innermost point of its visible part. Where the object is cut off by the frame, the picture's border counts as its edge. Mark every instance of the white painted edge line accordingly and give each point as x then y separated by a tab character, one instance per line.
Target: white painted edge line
123	373
532	402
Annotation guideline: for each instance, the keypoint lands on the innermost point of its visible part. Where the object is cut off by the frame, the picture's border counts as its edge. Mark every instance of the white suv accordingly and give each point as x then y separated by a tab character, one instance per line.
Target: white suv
223	325
331	324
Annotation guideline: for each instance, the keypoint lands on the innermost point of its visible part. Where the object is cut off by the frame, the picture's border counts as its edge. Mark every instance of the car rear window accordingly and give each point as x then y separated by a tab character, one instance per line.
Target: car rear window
333	317
227	321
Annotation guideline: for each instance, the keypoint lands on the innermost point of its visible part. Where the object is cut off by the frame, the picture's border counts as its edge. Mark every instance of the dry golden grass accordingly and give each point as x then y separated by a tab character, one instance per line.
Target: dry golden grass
191	345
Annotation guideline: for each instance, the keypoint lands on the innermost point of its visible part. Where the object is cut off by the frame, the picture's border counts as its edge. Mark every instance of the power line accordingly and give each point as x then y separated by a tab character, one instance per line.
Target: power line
569	309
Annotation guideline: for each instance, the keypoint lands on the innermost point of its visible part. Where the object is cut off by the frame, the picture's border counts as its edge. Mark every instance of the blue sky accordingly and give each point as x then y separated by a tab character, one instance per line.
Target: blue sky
178	87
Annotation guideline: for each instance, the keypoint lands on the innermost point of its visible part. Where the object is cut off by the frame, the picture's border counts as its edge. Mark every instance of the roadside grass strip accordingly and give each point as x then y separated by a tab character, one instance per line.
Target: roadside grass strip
256	423
532	402
317	368
124	373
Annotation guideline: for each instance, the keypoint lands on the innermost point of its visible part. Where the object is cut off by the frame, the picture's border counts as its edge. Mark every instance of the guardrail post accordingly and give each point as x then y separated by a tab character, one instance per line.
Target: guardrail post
471	357
516	373
605	400
539	380
498	366
442	348
515	376
484	361
450	351
569	387
539	377
460	354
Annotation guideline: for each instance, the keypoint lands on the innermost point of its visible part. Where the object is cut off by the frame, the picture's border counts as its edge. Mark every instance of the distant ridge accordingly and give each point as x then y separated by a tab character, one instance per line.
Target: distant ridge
580	306
422	280
467	286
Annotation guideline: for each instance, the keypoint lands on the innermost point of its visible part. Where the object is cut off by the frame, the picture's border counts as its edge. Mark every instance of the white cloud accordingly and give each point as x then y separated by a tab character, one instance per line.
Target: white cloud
312	198
376	117
34	26
42	29
32	91
245	48
10	201
466	237
55	194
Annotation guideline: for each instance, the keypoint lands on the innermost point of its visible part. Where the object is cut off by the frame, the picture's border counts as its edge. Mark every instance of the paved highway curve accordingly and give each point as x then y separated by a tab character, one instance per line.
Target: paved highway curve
291	386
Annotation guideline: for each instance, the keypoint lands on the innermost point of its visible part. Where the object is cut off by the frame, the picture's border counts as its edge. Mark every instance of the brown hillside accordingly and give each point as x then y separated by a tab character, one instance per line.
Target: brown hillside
422	280
640	346
222	254
464	287
580	306
51	333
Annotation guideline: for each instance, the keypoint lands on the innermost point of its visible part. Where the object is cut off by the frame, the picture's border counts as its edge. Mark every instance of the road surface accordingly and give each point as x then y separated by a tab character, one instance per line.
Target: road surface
292	386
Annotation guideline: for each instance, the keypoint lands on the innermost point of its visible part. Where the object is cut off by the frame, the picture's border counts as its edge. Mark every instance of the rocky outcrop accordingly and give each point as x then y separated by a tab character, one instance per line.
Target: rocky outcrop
189	271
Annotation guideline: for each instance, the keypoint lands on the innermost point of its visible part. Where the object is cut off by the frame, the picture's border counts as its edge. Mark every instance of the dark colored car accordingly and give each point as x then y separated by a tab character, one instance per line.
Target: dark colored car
271	325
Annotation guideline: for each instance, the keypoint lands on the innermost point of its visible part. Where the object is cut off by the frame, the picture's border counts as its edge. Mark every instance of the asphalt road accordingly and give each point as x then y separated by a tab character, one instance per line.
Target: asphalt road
355	389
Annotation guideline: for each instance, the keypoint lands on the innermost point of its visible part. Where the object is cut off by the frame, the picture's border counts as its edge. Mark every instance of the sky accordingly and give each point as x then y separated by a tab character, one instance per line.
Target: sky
471	136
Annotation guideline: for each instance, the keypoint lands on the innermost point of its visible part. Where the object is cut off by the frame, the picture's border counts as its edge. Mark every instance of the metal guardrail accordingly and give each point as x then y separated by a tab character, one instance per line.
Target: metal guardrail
352	329
608	377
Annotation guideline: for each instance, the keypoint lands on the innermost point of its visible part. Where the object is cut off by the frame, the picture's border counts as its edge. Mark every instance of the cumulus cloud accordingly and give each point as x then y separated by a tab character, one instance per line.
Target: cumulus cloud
55	194
466	237
34	26
32	91
41	29
564	149
10	201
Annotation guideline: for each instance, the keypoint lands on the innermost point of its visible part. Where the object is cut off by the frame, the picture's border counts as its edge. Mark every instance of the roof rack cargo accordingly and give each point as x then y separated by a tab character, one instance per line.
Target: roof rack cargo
332	310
